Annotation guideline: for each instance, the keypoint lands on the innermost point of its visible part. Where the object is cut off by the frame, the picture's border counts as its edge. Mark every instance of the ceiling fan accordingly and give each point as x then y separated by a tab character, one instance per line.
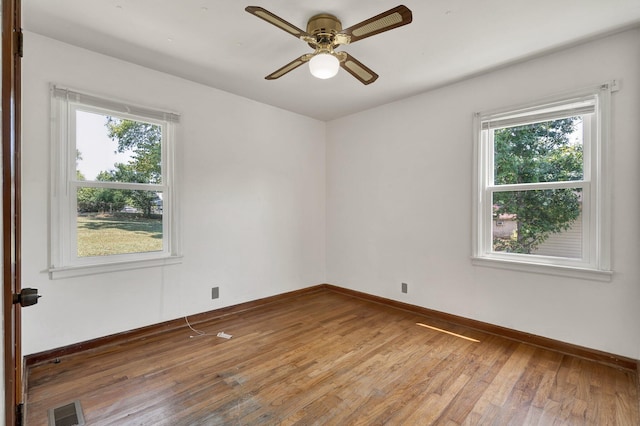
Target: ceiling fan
324	34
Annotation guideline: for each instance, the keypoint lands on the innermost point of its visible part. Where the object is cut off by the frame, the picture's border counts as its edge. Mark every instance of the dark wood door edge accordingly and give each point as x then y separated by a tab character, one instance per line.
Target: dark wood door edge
11	53
638	382
539	341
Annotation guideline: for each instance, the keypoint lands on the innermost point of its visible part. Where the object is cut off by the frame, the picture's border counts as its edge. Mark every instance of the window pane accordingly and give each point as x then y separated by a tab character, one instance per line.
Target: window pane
541	222
114	221
117	150
549	151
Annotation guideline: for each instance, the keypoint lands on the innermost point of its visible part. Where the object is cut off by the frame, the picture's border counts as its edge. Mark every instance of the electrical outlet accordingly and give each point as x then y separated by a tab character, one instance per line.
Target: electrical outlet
215	292
405	288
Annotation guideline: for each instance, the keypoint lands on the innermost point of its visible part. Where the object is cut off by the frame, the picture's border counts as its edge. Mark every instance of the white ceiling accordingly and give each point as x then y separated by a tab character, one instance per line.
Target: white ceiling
217	43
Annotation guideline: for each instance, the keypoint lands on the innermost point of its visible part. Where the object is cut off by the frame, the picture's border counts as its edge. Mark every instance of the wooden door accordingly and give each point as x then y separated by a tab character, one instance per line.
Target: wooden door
11	53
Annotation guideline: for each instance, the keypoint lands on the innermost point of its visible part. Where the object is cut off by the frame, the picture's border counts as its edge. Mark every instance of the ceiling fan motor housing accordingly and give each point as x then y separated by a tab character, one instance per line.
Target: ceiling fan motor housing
324	24
323	27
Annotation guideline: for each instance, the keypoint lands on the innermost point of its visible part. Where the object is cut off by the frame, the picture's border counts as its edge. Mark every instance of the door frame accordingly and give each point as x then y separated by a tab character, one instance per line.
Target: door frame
11	259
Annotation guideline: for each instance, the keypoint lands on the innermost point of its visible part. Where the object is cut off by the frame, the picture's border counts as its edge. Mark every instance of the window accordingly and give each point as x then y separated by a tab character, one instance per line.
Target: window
113	196
540	202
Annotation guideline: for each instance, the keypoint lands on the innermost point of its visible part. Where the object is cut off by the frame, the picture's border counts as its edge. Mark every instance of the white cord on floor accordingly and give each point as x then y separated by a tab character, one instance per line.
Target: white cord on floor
198	332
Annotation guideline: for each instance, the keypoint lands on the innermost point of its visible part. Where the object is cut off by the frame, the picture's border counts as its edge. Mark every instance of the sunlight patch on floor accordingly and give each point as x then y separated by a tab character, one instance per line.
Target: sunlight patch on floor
447	332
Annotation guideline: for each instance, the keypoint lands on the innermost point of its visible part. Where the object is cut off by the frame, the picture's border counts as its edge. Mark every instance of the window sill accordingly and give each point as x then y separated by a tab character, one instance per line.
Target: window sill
547	269
102	268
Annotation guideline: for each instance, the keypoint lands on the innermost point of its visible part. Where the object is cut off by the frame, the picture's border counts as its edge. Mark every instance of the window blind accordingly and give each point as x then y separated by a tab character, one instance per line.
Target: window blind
99	102
550	112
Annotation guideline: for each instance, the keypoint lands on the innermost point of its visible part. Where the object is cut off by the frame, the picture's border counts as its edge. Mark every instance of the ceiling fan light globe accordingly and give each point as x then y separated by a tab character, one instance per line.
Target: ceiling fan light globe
324	65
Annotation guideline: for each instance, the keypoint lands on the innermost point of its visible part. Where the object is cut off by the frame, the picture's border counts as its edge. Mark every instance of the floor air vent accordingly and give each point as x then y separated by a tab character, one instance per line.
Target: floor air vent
66	415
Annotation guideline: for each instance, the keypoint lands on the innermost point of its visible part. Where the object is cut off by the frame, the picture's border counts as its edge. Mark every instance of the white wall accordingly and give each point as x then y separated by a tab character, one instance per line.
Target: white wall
399	203
252	200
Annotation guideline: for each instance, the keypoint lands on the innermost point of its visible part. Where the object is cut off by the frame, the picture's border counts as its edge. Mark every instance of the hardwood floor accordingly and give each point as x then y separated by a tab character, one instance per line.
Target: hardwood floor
328	358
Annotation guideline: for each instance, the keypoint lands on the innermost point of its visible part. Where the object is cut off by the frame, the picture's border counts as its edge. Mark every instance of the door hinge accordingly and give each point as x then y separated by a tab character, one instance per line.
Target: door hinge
20	414
19	43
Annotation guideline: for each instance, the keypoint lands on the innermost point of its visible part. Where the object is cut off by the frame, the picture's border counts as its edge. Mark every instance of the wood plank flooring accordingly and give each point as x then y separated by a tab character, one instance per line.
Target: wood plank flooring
330	359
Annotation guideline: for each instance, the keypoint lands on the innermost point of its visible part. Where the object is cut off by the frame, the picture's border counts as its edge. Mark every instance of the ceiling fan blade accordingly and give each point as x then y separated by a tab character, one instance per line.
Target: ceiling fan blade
289	67
276	20
358	69
393	18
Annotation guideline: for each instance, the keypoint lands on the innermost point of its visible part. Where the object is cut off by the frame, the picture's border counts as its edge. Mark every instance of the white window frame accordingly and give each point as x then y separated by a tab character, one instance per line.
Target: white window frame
63	259
595	264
